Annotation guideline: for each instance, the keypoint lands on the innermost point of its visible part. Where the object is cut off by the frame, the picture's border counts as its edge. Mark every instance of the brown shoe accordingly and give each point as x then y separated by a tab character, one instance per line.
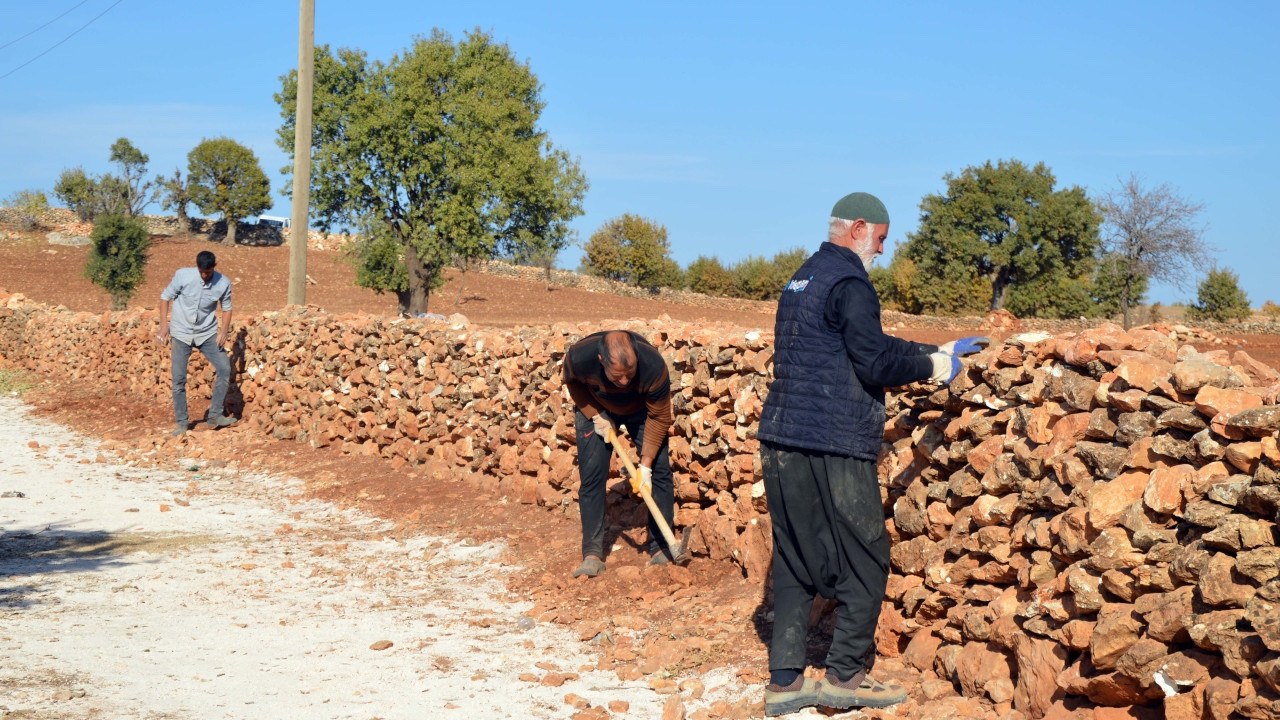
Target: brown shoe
857	692
798	695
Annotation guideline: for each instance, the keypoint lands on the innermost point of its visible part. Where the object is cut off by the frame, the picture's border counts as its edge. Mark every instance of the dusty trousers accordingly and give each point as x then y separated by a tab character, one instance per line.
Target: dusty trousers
829	539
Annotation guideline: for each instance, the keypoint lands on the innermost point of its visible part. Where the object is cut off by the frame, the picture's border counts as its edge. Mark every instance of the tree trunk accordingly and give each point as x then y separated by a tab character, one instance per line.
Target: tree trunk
419	281
119	302
1124	307
402	301
230	238
999	289
183	221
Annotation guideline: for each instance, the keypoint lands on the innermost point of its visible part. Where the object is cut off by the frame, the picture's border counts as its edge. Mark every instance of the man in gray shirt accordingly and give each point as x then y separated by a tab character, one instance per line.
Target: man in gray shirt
190	318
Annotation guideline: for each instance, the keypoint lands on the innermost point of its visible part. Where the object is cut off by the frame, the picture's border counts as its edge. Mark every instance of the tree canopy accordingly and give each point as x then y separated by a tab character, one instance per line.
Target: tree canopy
224	177
1002	231
633	250
118	258
1219	297
437	151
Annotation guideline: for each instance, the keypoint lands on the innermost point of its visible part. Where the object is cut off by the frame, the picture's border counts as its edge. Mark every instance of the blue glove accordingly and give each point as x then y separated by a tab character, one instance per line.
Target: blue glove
945	367
965	346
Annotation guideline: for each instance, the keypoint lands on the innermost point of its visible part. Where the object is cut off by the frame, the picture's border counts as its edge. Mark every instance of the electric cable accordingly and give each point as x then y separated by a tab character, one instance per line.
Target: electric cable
33	32
51	47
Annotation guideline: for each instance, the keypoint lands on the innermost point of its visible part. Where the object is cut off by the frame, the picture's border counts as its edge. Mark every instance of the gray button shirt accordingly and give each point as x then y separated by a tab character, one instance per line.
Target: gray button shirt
194	316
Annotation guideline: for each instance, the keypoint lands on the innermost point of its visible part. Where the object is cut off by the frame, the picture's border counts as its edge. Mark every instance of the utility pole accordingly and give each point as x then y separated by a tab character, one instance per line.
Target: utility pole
302	154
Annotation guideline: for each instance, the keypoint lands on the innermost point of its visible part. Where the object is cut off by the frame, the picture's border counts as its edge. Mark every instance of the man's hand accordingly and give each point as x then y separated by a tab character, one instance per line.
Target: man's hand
965	346
163	336
945	367
642	482
604	426
222	338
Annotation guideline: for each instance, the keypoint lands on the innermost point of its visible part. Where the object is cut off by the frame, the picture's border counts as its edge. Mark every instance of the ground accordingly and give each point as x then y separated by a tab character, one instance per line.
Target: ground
655	624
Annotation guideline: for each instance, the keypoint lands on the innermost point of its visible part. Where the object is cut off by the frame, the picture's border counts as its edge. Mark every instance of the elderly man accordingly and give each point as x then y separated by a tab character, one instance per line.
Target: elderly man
195	312
618	378
820	432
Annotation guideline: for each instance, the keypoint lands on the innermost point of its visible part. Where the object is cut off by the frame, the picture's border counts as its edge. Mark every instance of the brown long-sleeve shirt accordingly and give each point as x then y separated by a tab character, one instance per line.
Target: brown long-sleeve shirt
649	391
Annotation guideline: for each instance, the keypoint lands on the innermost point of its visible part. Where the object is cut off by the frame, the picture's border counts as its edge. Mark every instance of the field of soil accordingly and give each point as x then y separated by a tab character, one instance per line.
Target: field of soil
706	617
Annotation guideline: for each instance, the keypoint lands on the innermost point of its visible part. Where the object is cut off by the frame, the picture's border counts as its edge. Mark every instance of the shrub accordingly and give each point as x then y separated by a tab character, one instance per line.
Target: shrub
1271	310
28	207
1220	298
118	257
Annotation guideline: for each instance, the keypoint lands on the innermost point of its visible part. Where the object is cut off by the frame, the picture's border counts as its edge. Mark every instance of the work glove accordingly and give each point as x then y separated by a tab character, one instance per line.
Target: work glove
965	346
642	482
945	367
604	426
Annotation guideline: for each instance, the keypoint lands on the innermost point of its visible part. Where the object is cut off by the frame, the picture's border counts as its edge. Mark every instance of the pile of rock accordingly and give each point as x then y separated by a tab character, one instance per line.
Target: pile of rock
1091	519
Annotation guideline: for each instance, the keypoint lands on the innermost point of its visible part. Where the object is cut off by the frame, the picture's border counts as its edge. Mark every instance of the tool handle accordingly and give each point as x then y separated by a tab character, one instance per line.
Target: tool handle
648	499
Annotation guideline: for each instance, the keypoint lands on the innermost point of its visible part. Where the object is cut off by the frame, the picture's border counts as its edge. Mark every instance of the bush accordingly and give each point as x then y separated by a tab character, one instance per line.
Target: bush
28	206
756	278
633	250
707	276
1220	298
118	257
1271	310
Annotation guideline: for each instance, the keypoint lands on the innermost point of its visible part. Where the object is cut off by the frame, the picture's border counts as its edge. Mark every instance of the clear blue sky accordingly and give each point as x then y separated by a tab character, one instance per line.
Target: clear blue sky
736	125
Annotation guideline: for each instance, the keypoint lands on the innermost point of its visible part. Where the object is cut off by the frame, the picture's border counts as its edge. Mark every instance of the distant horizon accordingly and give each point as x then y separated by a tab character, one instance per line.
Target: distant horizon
735	127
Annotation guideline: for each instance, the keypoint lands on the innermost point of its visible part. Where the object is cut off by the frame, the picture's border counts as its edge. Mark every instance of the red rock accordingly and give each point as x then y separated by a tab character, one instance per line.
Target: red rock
1195	372
673	708
1144	372
1109	500
1067	432
1117	630
1164	493
921	650
1039	662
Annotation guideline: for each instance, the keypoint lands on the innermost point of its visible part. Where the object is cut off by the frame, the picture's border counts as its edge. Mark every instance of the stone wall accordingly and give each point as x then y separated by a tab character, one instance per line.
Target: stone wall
1080	521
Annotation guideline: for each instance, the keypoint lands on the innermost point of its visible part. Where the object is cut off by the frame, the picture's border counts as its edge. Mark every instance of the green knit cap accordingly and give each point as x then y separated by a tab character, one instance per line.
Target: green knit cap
863	206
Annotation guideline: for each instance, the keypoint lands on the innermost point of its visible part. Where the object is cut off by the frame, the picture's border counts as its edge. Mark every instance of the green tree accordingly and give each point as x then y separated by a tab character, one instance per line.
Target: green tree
1114	286
133	170
89	197
174	195
439	148
224	177
29	207
1220	298
756	278
118	257
786	263
633	250
708	276
1150	233
1271	310
1004	226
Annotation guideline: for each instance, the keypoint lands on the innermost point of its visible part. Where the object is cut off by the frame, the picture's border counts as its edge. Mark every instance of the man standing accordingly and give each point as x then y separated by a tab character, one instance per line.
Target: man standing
820	432
195	296
618	378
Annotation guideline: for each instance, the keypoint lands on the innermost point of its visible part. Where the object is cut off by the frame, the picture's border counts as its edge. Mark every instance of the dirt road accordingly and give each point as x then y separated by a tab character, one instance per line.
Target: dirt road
205	591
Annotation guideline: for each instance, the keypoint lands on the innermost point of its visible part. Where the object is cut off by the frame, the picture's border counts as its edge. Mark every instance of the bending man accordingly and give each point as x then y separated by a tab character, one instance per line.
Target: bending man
190	318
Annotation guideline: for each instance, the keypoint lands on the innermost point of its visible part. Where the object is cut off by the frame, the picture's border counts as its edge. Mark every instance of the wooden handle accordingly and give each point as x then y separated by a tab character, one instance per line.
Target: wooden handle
644	494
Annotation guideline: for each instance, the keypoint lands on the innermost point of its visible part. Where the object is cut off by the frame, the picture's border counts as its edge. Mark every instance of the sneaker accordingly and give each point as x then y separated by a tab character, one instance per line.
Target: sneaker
179	431
798	695
219	421
659	559
857	692
591	566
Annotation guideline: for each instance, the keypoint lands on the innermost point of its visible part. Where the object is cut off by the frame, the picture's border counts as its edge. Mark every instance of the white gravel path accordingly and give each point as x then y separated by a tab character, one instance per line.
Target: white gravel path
204	592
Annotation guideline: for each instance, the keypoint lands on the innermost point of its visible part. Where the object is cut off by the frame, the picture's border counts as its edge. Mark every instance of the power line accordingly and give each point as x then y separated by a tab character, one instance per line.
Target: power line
51	47
33	32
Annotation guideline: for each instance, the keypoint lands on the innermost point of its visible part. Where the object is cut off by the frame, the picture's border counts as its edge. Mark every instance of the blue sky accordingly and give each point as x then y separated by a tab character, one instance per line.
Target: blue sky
736	125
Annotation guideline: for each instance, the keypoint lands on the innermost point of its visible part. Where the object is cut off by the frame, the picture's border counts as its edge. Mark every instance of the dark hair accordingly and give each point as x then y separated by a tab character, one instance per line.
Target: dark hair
606	354
205	260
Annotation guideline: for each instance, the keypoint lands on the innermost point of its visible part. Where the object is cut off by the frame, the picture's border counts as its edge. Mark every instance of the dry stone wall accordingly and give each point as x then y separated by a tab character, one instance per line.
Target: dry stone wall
1082	521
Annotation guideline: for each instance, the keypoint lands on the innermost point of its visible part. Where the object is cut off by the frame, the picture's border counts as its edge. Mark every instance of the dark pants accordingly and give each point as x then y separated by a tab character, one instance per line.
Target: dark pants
180	355
828	538
594	455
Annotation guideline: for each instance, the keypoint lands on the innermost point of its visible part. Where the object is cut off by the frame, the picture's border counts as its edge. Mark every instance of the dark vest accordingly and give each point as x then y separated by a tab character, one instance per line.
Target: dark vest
816	401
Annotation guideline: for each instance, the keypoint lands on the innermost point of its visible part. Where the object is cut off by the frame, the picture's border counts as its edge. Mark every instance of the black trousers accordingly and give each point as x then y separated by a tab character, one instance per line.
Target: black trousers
829	538
594	455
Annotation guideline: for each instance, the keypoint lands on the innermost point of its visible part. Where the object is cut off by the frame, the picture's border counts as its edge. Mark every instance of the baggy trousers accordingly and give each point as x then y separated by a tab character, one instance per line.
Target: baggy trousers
829	538
593	473
180	355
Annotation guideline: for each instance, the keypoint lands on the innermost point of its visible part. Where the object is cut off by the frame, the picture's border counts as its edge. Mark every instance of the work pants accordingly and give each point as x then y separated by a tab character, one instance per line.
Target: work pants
179	357
829	538
594	455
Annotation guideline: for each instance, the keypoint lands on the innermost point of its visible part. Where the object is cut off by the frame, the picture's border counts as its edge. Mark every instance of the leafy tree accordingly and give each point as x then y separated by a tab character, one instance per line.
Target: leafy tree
379	260
708	276
133	169
1150	233
1113	285
786	263
438	148
1271	310
1004	226
633	250
118	258
174	195
756	278
1220	298
29	206
224	177
89	197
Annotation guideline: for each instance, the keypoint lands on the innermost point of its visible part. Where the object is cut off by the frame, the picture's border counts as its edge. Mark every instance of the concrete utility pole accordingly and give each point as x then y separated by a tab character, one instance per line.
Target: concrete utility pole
302	154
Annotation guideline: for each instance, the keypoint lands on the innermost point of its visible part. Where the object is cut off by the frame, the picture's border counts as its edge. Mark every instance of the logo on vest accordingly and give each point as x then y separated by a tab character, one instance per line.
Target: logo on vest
797	285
